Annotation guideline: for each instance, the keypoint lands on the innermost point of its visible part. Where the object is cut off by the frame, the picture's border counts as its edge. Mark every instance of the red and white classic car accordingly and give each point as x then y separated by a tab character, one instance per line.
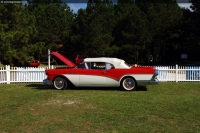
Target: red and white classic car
100	72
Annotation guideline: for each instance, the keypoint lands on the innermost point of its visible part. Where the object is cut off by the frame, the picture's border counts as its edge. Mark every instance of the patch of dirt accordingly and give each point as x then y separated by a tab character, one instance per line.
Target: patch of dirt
61	102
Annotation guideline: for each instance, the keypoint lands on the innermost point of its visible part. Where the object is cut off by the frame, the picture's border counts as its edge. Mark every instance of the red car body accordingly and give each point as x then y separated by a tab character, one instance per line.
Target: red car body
34	63
100	72
80	58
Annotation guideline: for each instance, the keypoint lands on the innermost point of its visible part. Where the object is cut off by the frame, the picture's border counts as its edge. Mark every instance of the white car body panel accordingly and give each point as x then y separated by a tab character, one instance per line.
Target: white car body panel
92	80
85	80
112	83
74	78
139	77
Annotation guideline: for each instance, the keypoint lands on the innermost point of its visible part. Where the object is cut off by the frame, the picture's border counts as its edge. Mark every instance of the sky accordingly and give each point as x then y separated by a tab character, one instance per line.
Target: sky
76	6
185	5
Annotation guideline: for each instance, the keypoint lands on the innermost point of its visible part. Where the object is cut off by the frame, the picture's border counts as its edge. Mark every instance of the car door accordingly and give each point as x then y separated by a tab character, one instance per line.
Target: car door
94	75
112	79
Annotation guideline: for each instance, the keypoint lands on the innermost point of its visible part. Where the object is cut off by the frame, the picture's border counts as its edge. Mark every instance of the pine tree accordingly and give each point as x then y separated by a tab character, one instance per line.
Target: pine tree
17	27
95	25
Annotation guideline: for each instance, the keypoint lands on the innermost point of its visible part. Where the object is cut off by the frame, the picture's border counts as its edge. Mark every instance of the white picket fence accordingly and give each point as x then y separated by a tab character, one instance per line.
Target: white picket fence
178	73
35	75
21	75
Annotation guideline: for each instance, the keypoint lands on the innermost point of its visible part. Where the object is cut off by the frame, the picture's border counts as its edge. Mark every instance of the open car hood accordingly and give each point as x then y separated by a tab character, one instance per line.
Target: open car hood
63	59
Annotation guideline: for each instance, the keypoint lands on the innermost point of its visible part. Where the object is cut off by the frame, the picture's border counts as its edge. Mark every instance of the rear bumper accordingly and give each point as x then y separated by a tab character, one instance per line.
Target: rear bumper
148	82
153	81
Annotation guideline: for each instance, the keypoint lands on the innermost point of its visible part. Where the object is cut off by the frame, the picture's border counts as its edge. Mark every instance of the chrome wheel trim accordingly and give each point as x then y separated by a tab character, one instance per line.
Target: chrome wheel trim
59	83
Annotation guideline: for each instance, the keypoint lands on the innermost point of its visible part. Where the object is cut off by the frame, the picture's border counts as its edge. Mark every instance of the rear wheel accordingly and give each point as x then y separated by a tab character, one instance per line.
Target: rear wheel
128	84
60	83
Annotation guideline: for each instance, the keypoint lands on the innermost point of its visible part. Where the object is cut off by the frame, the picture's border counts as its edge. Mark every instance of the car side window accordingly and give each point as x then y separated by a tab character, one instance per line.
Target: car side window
87	65
109	66
98	65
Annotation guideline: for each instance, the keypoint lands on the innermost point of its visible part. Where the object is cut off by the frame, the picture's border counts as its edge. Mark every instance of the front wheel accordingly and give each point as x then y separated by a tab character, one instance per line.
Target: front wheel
60	83
128	84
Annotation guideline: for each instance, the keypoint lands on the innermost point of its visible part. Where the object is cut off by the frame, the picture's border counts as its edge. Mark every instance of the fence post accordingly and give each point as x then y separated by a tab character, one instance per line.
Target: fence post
176	73
8	74
49	58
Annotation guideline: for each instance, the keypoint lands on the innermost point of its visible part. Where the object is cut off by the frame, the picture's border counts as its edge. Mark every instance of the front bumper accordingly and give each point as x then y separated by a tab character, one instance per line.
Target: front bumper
46	81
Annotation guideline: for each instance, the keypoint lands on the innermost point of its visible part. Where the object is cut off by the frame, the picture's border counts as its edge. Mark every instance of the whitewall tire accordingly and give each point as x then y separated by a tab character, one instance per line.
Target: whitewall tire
128	84
60	83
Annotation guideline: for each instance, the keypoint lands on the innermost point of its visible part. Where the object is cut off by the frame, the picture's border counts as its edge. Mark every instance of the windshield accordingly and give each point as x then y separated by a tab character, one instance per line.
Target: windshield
84	65
81	65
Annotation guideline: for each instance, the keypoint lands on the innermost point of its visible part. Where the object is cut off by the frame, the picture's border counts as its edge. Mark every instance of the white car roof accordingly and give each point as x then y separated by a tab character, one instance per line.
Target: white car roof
118	63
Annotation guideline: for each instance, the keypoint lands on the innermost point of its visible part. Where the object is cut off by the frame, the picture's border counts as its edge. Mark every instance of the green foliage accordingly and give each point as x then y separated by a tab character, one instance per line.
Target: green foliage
53	22
96	24
162	18
190	28
132	30
17	29
195	6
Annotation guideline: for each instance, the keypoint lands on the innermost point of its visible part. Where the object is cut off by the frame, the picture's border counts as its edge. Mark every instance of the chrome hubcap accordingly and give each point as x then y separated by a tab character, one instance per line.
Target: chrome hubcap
129	83
59	83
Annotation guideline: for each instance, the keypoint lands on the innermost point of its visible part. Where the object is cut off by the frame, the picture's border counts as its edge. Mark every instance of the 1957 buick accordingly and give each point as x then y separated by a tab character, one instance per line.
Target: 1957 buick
100	72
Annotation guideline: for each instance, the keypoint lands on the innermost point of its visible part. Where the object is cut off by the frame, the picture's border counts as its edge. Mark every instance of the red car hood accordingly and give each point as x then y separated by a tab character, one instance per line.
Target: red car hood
63	59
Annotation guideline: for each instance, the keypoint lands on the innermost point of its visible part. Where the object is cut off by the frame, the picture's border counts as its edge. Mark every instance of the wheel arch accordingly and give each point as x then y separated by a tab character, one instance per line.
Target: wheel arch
127	76
62	76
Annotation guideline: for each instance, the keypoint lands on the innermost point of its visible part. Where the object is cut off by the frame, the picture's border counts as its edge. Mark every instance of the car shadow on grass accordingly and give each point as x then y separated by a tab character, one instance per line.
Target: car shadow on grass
141	88
50	87
40	86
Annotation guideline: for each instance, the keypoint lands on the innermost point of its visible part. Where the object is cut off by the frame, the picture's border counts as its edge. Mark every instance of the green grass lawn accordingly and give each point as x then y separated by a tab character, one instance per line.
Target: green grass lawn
37	108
